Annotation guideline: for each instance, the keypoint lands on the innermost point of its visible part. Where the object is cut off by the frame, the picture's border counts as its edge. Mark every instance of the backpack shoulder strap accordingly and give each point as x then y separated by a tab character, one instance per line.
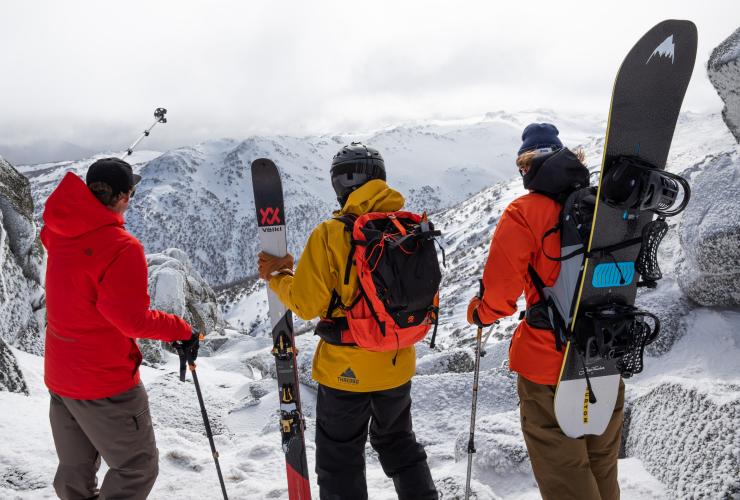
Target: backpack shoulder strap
349	224
537	282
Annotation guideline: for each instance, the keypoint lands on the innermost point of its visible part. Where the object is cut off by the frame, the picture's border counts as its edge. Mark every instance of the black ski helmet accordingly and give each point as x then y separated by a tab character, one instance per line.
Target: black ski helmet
353	166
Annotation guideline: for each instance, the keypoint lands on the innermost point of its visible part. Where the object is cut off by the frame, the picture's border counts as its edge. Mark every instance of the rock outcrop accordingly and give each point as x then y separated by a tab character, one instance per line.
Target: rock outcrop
688	440
723	69
709	272
11	377
176	287
21	268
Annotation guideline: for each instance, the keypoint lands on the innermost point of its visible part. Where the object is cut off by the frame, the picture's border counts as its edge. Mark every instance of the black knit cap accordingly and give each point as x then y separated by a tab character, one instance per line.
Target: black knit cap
115	172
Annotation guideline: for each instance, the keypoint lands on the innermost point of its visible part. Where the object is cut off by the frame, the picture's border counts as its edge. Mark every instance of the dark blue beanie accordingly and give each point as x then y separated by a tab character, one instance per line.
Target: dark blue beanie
540	135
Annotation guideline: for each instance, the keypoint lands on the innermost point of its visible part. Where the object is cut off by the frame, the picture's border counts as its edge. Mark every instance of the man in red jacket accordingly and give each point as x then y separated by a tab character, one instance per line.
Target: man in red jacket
97	305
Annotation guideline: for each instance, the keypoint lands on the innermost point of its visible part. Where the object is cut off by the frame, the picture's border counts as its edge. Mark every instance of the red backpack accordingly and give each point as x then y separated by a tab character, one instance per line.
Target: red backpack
399	275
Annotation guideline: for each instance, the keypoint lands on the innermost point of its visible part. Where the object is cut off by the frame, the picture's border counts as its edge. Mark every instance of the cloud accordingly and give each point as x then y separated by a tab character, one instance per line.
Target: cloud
91	73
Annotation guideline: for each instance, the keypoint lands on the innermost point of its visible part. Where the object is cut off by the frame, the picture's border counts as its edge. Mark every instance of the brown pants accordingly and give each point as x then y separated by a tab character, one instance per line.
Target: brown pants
120	430
567	468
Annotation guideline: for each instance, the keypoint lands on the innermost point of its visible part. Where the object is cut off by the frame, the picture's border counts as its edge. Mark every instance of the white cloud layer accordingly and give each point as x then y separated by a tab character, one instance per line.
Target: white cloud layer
90	73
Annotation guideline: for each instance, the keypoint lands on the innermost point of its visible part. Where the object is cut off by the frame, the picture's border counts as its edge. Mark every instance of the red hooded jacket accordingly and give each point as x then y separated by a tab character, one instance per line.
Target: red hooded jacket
97	301
517	243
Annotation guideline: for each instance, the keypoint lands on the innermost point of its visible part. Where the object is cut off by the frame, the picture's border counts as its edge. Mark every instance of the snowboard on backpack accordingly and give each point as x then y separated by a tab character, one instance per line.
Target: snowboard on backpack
268	200
606	332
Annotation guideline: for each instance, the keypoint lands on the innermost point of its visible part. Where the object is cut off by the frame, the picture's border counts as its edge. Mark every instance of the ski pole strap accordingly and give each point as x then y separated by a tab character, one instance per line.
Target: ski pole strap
432	343
536	314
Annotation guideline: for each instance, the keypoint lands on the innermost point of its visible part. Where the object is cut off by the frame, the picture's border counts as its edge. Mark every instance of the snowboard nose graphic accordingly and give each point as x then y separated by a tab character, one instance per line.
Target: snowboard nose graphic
270	216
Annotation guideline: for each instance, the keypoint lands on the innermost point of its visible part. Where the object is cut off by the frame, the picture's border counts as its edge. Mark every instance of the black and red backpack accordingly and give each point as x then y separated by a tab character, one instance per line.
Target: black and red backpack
398	270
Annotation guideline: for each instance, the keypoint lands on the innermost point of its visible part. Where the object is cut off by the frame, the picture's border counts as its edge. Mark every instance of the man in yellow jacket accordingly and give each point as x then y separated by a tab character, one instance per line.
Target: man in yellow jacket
356	387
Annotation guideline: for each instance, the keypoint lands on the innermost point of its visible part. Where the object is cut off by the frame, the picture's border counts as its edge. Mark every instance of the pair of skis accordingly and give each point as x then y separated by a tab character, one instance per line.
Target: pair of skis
268	200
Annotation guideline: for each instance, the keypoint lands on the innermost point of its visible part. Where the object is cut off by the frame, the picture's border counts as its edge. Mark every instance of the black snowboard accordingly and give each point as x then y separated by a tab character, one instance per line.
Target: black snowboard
268	201
646	101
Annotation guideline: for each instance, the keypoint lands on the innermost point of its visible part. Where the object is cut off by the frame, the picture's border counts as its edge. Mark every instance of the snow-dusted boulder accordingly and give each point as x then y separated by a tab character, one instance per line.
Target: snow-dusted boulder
684	410
688	439
448	361
21	265
670	306
723	69
11	377
709	272
499	444
176	287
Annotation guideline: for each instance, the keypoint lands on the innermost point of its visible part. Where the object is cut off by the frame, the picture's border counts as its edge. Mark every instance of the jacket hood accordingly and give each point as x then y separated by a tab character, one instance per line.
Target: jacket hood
72	210
373	196
556	174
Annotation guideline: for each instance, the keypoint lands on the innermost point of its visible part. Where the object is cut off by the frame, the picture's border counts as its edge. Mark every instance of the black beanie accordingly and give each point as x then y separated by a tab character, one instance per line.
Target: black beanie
114	172
540	135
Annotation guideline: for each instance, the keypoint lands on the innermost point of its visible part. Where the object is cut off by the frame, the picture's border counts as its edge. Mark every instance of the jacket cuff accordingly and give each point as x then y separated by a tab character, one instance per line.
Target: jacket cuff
477	320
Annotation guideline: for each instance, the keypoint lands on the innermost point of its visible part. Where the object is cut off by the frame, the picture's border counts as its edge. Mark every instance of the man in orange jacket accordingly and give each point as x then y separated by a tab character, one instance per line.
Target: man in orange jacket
97	305
564	467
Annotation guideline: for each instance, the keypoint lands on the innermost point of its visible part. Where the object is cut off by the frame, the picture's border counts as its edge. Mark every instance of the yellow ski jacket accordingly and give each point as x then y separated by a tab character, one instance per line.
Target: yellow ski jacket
320	271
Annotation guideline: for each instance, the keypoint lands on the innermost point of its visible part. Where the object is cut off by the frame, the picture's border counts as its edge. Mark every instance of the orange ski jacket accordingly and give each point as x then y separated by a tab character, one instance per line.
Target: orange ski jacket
517	243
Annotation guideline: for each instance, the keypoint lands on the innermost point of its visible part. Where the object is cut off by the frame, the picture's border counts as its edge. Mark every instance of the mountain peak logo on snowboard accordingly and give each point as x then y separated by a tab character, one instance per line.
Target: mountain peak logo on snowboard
666	49
348	377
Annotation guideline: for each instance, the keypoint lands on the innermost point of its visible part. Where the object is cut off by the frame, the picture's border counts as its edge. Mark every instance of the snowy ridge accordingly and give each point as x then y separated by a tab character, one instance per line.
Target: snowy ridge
199	198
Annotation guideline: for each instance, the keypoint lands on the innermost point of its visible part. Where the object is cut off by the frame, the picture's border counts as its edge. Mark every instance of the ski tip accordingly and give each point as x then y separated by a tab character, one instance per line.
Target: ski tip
265	170
262	164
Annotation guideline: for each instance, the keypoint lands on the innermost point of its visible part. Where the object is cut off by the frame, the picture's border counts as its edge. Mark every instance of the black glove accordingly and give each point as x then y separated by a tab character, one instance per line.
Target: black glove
188	352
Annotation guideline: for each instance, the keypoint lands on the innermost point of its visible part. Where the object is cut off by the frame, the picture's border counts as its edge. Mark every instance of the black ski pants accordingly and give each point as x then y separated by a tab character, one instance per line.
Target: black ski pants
342	420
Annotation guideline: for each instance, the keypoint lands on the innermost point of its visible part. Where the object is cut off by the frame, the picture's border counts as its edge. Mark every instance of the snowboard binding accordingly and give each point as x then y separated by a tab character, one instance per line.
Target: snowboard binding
633	185
616	332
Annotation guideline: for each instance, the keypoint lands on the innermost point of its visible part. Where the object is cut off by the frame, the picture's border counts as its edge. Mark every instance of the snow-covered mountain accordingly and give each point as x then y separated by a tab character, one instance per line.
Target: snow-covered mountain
199	198
683	413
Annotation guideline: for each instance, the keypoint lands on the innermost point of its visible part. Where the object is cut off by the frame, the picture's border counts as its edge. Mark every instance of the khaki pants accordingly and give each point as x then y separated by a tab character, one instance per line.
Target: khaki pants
120	430
567	468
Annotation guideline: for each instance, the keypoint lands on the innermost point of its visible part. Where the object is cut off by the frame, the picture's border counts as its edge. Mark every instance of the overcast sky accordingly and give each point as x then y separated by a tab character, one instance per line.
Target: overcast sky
91	72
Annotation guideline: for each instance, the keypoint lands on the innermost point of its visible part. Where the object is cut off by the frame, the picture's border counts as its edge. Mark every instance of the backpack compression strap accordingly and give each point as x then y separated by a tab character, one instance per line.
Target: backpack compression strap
558	328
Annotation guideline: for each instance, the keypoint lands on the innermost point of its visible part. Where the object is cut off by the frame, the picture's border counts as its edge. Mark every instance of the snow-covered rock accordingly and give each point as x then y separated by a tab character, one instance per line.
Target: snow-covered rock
723	69
447	361
688	440
21	264
177	288
671	307
684	410
709	272
11	376
499	444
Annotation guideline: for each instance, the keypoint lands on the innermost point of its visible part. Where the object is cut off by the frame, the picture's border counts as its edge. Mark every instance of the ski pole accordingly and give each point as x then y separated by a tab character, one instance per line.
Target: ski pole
471	439
185	358
158	118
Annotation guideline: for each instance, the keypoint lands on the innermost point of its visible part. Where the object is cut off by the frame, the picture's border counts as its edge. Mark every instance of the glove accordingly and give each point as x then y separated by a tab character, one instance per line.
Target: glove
268	265
473	317
187	350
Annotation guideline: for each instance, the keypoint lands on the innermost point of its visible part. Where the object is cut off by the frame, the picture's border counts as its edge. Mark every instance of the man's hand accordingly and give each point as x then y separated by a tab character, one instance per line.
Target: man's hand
268	265
188	351
473	317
